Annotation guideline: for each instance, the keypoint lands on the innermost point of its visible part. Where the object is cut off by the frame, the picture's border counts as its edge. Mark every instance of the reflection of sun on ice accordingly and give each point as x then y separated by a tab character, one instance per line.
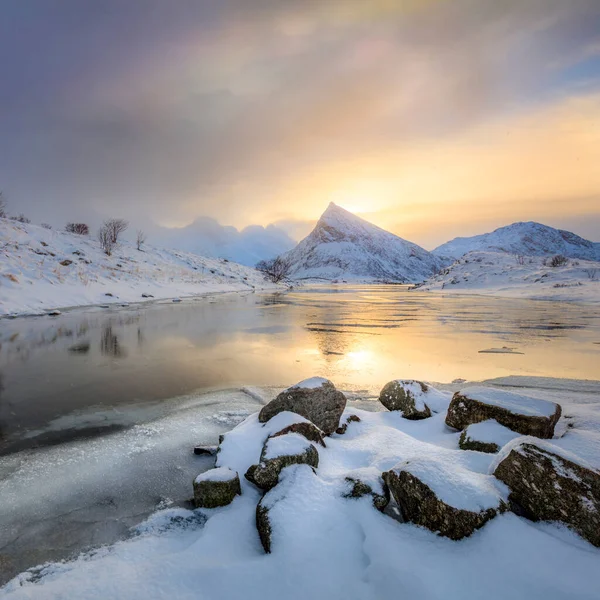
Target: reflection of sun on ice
359	359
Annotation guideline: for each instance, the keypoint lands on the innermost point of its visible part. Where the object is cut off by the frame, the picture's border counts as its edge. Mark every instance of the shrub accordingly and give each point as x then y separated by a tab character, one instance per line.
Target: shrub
21	219
558	261
275	270
46	226
140	239
2	206
78	228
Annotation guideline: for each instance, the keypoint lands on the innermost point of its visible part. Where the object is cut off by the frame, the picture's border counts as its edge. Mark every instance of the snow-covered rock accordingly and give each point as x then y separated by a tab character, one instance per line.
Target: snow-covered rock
520	413
528	239
486	436
43	269
408	397
278	453
343	246
217	487
445	498
546	483
318	401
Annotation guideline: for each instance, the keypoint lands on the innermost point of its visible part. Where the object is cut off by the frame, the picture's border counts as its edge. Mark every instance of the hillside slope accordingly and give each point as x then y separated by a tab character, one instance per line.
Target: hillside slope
42	269
529	239
502	274
343	246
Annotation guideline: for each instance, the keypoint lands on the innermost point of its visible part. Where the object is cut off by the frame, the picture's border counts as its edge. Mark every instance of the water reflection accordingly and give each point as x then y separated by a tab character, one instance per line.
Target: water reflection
109	343
360	336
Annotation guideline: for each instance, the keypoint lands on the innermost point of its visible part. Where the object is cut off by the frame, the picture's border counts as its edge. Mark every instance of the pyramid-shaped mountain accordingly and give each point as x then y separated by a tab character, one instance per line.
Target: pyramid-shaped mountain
343	246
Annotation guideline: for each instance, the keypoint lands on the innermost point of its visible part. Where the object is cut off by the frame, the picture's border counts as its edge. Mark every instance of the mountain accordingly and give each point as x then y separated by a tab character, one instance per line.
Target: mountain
208	237
530	239
344	246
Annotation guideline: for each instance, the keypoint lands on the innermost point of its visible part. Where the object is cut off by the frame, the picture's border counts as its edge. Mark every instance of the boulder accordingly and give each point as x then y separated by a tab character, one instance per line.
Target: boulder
343	428
406	396
365	483
315	399
548	484
306	429
523	414
282	501
278	453
444	497
487	436
217	487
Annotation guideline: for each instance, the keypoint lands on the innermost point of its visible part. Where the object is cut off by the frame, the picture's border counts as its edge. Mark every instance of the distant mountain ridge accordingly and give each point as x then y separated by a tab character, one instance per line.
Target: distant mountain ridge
527	238
343	246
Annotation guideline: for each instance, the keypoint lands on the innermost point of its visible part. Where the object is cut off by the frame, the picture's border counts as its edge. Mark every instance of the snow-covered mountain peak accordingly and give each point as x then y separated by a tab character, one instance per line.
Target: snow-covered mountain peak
344	246
528	238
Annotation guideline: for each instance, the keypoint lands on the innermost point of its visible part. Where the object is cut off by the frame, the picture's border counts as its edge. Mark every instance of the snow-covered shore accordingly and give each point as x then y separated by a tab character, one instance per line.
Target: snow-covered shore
517	276
43	270
335	546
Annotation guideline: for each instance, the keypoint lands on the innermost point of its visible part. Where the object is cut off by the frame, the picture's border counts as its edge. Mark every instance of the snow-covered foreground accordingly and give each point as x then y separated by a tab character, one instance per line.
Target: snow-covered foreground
42	269
334	547
512	276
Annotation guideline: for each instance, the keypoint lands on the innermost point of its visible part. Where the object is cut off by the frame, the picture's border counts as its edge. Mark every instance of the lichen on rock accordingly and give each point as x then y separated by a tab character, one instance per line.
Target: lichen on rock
548	484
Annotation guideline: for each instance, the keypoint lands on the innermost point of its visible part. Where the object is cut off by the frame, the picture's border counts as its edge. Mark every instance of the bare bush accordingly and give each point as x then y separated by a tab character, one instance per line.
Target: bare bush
2	206
105	237
275	270
20	218
520	259
78	228
46	226
592	273
116	227
140	239
558	261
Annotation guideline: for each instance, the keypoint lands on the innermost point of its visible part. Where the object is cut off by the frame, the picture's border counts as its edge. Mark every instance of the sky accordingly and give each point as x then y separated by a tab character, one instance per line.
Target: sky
430	118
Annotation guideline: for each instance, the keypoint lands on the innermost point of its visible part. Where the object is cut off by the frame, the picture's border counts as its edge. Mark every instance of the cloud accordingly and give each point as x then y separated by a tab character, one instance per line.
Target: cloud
264	111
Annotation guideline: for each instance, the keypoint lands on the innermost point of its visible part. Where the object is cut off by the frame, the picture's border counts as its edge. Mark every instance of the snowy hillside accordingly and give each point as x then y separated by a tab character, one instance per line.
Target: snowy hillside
529	239
502	274
344	246
42	269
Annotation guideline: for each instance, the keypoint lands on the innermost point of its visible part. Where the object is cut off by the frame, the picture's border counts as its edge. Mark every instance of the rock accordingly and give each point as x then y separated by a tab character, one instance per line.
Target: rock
278	500
66	262
343	428
523	414
54	313
205	450
406	396
487	436
366	485
109	294
445	498
176	300
306	429
280	452
315	399
147	296
217	487
548	484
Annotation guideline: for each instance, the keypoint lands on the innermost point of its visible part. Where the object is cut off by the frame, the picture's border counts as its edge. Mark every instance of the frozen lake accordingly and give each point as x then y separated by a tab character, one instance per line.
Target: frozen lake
99	409
53	370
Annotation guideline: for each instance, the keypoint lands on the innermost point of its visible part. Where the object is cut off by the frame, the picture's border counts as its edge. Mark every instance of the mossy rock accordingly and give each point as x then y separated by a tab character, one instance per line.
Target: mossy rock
265	475
467	443
419	504
547	486
469	407
219	491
